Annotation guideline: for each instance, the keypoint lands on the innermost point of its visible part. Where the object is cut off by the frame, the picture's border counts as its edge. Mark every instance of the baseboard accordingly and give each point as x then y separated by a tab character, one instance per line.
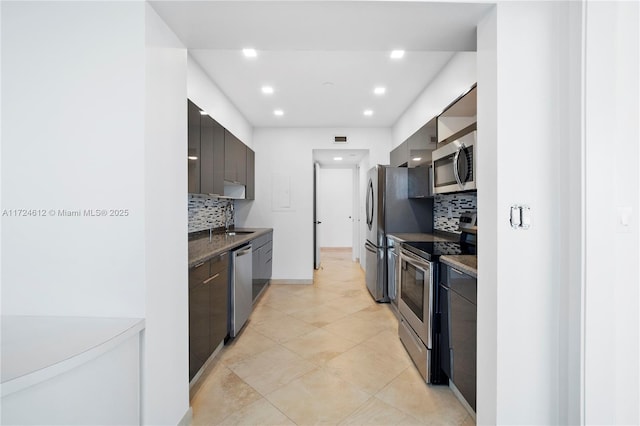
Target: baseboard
294	282
335	249
187	418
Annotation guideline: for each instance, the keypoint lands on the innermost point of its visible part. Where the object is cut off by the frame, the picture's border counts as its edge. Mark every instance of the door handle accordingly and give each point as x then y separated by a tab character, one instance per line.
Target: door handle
243	252
456	171
211	278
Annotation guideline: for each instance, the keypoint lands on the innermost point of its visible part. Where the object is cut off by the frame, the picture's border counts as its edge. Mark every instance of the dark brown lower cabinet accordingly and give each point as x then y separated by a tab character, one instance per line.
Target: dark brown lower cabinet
262	262
208	309
458	341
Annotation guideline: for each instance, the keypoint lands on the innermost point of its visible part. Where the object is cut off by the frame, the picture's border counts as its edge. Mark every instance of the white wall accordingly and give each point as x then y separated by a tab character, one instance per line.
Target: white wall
335	207
455	78
204	93
72	138
166	342
525	112
611	146
288	154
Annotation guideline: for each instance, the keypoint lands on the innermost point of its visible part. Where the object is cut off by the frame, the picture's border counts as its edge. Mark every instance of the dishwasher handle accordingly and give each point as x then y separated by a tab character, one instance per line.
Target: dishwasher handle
245	250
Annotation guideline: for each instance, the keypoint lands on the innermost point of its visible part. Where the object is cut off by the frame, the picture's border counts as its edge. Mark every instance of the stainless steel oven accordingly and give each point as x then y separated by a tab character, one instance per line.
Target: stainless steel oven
416	294
415	304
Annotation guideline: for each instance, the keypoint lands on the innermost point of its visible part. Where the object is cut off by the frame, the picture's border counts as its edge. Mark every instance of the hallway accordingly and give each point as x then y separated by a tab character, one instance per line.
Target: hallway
320	354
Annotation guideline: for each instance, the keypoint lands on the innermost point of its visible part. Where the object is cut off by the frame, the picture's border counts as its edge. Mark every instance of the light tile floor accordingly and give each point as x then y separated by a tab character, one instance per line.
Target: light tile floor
321	354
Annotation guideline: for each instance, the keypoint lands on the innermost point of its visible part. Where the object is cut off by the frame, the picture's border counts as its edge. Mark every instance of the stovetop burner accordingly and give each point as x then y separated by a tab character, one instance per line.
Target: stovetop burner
432	250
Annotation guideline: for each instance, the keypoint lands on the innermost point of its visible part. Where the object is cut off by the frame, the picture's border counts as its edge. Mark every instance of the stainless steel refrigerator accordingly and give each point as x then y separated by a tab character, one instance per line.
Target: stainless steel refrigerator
389	210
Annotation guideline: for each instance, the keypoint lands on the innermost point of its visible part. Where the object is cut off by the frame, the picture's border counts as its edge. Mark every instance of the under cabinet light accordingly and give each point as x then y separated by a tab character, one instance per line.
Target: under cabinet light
337	158
203	113
267	90
397	54
379	90
192	157
416	159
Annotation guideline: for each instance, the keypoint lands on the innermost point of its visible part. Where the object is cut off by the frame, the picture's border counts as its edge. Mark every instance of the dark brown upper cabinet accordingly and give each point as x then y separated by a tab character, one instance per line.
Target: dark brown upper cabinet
235	156
251	176
212	151
216	156
458	118
193	153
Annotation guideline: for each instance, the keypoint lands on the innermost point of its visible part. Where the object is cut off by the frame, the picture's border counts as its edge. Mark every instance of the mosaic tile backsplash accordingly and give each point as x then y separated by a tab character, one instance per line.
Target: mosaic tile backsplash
207	212
458	203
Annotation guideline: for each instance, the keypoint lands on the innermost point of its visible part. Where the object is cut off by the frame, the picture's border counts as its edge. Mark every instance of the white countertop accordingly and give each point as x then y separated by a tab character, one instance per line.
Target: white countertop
35	349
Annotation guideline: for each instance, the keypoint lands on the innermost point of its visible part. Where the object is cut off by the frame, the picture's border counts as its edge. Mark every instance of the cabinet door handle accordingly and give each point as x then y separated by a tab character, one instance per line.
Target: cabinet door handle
211	278
456	270
199	265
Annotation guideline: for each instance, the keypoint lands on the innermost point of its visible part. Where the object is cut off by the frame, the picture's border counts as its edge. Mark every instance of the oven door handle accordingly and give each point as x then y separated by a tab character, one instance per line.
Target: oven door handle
415	260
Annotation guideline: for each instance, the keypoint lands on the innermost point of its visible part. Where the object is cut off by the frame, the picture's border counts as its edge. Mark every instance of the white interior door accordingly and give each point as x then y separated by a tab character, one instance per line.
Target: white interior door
335	207
316	222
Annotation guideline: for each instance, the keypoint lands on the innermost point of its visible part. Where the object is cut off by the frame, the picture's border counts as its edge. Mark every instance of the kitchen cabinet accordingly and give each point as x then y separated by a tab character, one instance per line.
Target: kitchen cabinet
458	118
262	262
420	181
216	156
421	143
208	309
235	159
399	157
193	151
251	176
212	155
415	151
458	339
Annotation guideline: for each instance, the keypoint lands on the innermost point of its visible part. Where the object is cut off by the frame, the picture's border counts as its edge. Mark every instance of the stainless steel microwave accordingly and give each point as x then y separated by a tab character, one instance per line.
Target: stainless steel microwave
454	165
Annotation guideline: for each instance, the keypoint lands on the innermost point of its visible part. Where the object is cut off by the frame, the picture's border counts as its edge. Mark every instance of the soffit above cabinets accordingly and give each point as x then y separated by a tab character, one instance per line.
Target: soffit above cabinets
322	58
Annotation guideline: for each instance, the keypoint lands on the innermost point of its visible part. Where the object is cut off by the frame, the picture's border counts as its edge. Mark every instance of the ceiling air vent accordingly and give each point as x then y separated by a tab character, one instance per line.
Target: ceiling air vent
340	139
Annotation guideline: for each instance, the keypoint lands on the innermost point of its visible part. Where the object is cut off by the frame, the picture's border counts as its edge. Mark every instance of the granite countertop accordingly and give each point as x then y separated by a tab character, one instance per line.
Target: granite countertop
421	237
201	249
467	263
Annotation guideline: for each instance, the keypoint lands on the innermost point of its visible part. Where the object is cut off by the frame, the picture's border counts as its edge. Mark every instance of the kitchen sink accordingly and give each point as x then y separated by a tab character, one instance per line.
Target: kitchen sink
232	233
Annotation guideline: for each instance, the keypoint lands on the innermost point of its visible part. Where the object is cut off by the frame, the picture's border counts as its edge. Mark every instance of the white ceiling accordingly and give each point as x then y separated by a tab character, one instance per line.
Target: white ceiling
350	157
323	58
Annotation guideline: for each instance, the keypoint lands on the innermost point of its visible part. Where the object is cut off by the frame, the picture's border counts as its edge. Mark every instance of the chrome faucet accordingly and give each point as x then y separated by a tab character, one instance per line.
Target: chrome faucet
228	215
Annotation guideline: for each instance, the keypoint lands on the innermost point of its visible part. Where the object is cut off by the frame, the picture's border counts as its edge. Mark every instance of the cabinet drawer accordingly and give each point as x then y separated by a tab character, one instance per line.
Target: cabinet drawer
219	264
198	274
261	240
463	284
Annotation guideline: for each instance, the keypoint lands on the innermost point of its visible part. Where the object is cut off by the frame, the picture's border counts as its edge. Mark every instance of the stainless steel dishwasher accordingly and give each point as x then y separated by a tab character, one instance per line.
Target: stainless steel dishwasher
241	287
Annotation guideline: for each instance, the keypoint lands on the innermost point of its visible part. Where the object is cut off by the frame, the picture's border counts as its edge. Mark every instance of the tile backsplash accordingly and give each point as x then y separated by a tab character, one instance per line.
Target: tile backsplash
457	203
207	212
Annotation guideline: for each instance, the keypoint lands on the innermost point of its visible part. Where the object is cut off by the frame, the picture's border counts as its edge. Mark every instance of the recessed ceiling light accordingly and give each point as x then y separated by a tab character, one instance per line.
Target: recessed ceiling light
278	112
203	113
397	54
250	53
368	112
337	158
380	90
267	90
417	159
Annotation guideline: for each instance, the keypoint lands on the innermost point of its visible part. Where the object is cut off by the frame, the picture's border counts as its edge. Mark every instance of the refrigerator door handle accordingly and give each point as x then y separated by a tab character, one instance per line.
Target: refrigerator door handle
370	247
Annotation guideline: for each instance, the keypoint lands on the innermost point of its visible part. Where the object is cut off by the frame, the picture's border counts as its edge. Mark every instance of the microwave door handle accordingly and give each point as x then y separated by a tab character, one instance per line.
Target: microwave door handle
456	172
